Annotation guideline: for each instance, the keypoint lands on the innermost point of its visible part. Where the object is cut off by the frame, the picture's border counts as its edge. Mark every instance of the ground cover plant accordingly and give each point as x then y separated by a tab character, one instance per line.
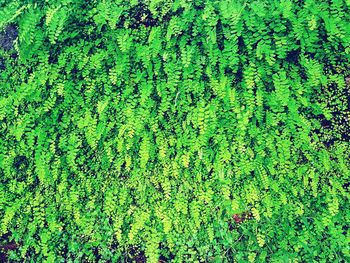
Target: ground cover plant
174	131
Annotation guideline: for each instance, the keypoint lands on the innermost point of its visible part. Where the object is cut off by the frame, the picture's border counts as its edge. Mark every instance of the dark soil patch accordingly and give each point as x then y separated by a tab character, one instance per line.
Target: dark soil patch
8	36
346	186
239	218
2	64
5	247
136	255
338	127
20	163
138	16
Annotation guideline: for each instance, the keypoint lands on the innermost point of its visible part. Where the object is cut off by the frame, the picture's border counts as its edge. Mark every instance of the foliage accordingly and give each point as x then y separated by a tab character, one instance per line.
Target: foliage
174	130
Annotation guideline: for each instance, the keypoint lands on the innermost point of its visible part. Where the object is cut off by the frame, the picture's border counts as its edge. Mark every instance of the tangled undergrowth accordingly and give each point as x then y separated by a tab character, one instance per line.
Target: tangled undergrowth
174	131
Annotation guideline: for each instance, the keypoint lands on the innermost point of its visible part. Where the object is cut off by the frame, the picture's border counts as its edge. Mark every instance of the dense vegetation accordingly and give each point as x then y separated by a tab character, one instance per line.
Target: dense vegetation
174	130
